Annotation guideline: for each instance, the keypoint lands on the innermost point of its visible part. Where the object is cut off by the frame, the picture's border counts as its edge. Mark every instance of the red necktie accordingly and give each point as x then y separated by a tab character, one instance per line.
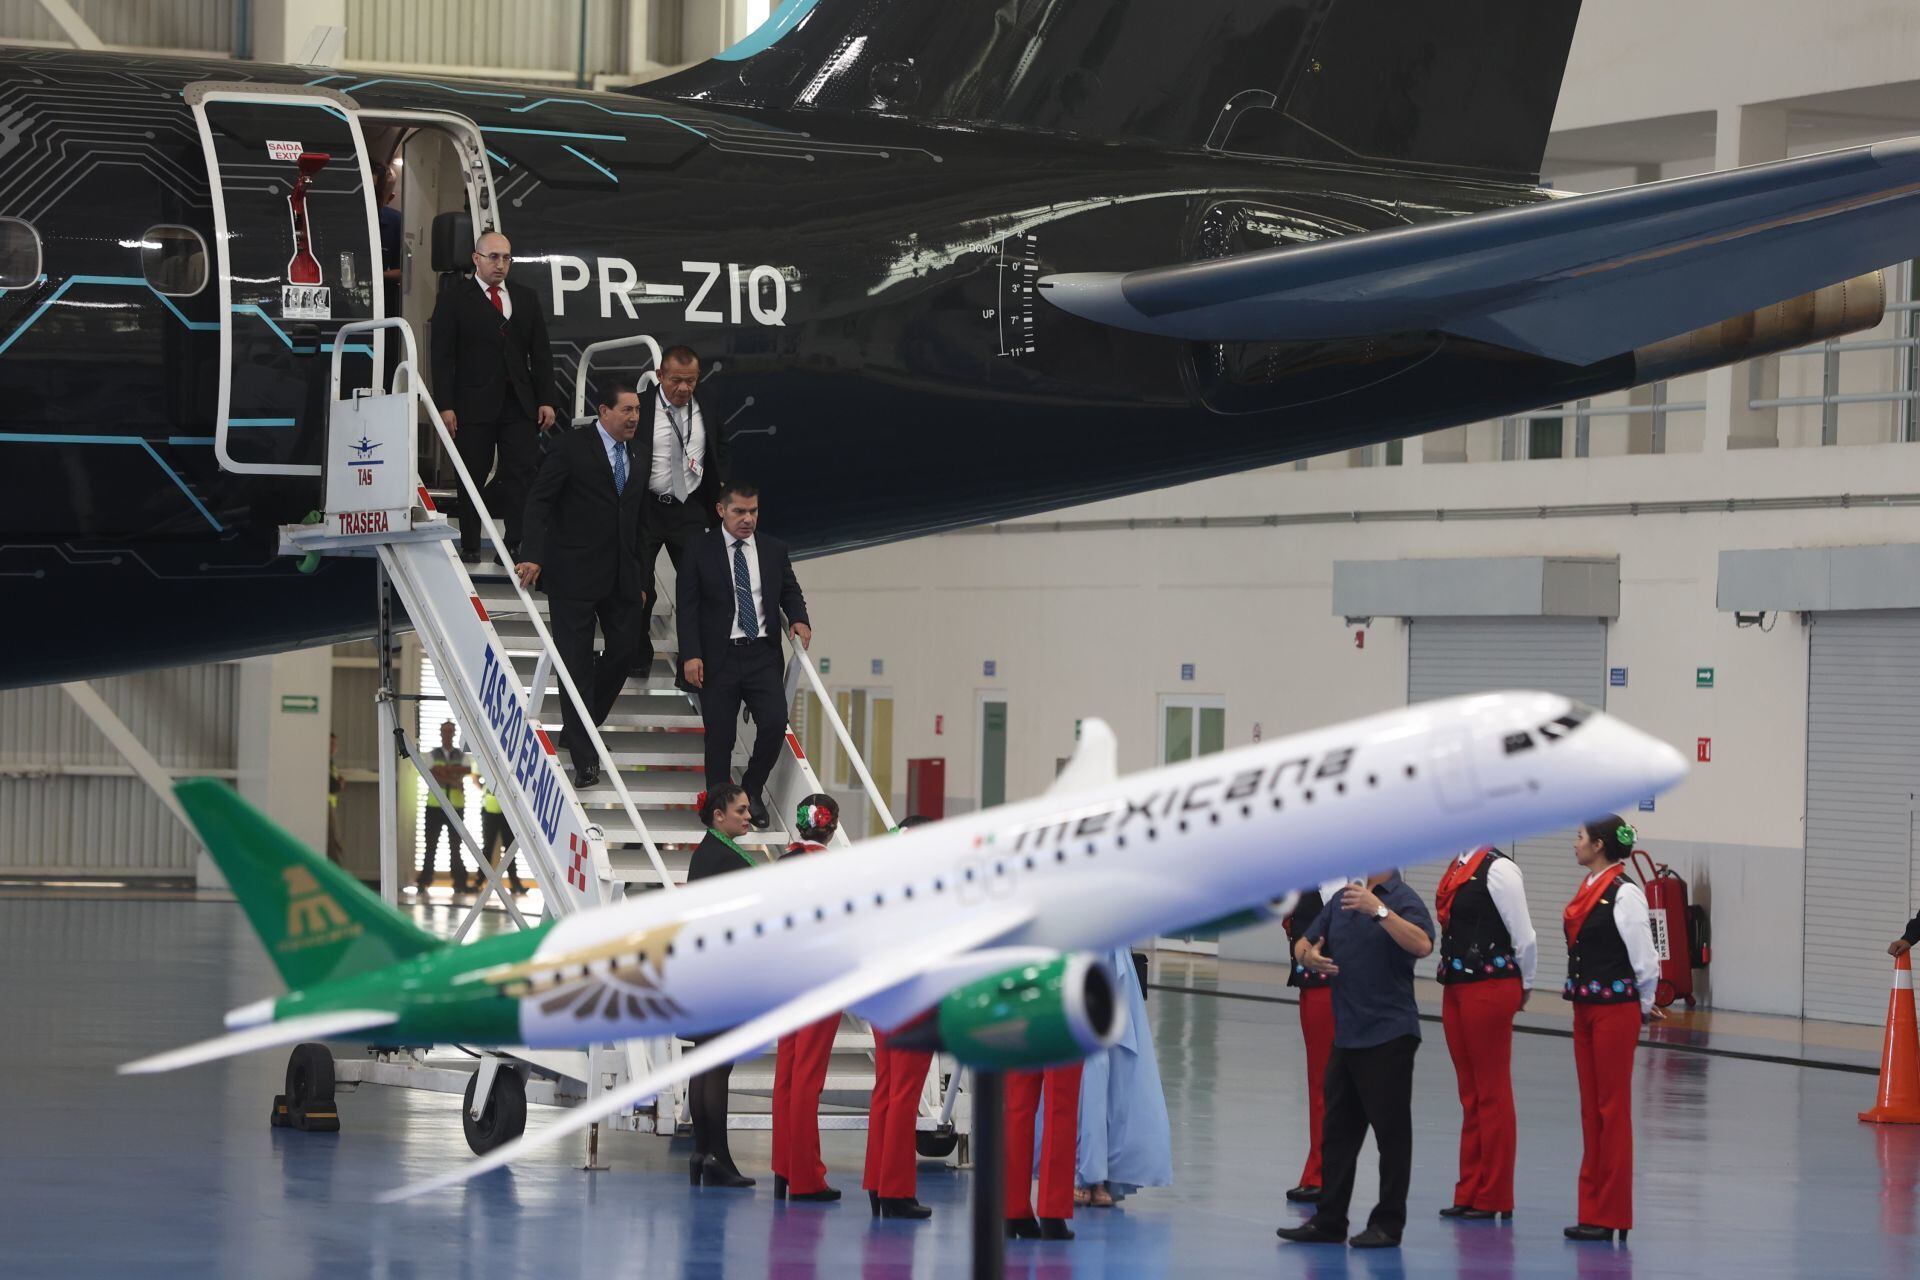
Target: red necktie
493	293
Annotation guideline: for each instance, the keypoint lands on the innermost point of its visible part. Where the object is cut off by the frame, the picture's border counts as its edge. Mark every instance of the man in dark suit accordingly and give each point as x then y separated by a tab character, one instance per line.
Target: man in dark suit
735	586
583	532
493	377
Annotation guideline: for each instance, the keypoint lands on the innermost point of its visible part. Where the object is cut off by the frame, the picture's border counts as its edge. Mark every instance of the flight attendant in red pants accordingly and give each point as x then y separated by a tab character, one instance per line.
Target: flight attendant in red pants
800	1062
898	1077
1316	1029
1059	1133
1487	956
1612	971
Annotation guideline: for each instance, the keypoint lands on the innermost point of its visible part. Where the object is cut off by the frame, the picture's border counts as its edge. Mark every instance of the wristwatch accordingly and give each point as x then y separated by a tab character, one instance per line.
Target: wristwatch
1382	913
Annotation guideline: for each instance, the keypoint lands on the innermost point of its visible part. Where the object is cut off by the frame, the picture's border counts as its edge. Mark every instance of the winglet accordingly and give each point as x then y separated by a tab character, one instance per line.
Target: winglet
1095	762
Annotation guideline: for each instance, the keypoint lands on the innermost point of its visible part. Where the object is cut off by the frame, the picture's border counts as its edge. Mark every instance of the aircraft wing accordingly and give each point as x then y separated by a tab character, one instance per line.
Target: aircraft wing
872	974
1577	279
313	1026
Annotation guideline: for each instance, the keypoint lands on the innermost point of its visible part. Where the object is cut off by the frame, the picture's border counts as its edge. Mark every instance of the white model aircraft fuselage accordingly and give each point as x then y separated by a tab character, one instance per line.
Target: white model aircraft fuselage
1089	867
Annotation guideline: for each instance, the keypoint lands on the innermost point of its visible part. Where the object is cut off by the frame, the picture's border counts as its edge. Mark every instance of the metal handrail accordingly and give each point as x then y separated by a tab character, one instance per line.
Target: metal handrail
611	344
485	517
803	661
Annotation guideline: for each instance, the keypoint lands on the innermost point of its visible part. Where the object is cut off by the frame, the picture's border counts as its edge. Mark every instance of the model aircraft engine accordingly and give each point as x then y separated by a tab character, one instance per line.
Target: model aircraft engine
1036	1015
1847	307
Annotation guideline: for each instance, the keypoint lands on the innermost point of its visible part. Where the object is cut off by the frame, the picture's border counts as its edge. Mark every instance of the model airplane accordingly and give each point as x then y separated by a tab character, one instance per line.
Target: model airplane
982	927
970	261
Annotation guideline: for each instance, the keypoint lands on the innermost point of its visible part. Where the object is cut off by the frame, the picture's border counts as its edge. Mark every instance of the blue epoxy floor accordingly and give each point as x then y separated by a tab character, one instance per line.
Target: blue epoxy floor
1746	1168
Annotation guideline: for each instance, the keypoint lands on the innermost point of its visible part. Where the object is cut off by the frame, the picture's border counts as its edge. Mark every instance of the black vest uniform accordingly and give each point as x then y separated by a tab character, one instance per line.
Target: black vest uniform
1305	912
1598	968
1476	946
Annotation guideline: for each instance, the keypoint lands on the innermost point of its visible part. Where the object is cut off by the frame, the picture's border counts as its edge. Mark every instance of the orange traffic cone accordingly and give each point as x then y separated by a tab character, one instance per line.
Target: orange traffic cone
1899	1101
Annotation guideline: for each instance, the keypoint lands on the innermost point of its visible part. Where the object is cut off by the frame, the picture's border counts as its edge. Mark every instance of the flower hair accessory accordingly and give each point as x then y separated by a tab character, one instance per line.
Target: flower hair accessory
1626	835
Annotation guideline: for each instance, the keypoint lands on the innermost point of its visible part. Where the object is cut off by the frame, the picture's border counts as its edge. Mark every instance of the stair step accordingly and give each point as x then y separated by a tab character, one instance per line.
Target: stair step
677	826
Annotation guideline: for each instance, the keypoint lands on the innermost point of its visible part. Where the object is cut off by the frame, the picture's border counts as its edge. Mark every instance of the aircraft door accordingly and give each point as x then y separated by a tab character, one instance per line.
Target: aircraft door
297	255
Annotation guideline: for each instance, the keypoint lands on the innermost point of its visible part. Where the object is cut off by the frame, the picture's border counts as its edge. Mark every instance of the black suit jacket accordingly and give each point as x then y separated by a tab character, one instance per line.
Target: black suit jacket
713	466
489	368
706	600
712	857
585	538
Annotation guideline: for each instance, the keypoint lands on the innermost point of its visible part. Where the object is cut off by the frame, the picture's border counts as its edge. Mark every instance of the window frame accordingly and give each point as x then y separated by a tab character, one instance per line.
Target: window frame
206	259
39	254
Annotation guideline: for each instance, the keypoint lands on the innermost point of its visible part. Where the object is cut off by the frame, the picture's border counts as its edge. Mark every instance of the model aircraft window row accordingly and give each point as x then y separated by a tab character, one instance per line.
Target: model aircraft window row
174	260
971	875
19	253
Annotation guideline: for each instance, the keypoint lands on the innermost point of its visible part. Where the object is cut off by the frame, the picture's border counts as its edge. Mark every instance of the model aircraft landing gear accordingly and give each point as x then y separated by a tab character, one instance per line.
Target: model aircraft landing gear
504	1117
308	1103
989	1175
936	1144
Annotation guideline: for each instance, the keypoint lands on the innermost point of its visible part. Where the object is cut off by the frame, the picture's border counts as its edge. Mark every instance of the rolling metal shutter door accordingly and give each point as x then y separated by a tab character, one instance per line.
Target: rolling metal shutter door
1448	657
1863	760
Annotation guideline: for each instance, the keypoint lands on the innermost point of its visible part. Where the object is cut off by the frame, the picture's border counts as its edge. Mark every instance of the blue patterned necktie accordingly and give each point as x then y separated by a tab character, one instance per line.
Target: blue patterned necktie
619	467
743	592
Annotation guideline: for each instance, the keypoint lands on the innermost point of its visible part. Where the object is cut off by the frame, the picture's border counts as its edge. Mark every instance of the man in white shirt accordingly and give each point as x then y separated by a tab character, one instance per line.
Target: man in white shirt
685	455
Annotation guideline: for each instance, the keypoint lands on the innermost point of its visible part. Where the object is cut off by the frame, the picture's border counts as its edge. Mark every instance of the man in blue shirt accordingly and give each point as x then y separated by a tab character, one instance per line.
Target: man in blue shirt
1367	940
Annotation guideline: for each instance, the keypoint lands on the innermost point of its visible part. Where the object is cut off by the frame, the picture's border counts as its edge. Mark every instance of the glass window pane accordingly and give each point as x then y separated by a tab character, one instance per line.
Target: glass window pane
174	260
19	254
1545	437
993	754
1213	730
1179	735
880	758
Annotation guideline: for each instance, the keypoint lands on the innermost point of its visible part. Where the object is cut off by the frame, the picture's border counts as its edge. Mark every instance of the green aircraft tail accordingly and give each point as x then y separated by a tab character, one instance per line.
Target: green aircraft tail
316	921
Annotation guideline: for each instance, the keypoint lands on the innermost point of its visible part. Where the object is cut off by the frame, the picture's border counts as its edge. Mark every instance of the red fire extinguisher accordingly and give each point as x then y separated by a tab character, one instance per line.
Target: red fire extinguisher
1679	931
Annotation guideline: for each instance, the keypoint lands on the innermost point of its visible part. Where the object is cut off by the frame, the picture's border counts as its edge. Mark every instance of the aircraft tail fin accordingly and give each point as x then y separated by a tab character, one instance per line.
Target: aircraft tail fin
1468	86
316	921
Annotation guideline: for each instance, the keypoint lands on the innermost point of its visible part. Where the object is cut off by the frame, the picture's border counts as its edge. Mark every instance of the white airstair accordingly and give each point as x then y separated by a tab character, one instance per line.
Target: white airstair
634	831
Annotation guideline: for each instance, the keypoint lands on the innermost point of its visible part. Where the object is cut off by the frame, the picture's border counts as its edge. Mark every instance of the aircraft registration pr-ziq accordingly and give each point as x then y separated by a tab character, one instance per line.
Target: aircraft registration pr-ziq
980	934
947	265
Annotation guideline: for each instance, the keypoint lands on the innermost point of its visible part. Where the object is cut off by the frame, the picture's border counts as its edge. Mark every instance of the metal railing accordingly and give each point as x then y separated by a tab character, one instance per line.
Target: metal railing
478	507
800	667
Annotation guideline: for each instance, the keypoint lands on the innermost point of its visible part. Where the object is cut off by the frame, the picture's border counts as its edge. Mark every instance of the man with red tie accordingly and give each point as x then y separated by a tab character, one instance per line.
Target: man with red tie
493	380
800	1062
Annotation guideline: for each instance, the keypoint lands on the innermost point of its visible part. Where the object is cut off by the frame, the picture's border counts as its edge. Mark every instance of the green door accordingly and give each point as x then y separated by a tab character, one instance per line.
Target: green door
993	754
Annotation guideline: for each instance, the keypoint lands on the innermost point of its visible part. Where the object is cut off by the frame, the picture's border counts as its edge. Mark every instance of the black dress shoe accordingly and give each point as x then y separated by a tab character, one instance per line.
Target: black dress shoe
1023	1229
470	555
586	776
696	1167
715	1172
1480	1215
1311	1232
1304	1194
1375	1238
779	1186
873	1202
1586	1231
1455	1211
903	1207
826	1195
1055	1229
759	816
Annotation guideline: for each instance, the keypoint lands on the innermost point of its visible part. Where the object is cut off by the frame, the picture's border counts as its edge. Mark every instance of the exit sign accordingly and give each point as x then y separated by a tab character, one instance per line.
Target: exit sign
305	704
1703	677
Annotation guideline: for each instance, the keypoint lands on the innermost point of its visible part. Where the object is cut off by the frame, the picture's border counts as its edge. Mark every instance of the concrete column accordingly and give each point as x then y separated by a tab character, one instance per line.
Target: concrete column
285	713
1449	445
1745	136
281	27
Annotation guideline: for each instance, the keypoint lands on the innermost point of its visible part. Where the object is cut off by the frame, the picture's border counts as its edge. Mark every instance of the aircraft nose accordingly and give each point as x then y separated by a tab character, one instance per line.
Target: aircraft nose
1642	763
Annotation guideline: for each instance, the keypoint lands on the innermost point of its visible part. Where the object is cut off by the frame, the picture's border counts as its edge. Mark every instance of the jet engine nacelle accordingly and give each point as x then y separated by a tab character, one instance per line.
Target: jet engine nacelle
1036	1015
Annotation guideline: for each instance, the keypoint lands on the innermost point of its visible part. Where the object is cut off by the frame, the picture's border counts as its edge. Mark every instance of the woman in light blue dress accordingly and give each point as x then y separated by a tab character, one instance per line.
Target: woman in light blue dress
1125	1141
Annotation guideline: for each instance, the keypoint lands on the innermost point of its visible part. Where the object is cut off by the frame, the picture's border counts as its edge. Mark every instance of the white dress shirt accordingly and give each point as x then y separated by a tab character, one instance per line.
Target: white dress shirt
506	299
610	446
753	575
1509	893
660	479
1636	931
